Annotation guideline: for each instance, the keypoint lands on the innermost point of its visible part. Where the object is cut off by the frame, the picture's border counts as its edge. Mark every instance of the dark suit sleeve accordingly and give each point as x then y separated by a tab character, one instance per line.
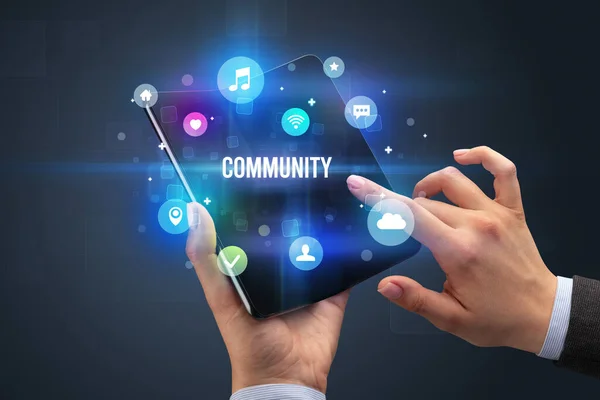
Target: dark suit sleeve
581	351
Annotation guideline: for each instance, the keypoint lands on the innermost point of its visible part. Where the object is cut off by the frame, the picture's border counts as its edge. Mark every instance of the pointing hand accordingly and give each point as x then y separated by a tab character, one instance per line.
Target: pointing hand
498	291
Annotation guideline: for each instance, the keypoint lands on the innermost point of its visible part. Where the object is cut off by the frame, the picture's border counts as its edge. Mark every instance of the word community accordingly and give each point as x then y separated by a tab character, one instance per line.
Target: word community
276	167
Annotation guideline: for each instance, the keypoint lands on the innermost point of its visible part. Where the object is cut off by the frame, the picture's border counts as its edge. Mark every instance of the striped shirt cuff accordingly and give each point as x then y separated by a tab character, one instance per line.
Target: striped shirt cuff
559	321
277	392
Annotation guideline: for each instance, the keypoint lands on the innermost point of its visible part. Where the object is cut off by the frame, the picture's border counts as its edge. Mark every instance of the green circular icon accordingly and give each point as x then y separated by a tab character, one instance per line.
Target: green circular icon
232	260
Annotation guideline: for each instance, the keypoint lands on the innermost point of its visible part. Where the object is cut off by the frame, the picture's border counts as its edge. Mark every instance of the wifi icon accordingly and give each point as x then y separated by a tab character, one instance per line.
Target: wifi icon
295	121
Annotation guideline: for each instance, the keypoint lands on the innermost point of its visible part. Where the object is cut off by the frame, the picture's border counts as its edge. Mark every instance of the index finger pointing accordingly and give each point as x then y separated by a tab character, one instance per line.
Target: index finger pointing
429	230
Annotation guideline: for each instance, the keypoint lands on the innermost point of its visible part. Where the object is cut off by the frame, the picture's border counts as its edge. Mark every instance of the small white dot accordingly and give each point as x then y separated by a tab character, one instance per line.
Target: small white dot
149	179
264	230
366	255
187	80
281	88
410	121
121	136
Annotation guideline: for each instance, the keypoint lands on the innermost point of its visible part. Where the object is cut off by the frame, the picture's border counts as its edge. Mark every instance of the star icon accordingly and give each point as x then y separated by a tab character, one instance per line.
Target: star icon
133	100
425	135
212	118
311	102
384	91
333	66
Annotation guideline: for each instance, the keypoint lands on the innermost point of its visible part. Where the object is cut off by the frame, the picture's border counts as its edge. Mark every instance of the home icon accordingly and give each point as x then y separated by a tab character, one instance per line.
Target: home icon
146	95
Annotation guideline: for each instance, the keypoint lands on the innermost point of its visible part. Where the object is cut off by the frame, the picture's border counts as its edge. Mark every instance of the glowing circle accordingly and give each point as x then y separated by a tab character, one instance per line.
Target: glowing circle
240	80
172	216
366	255
295	122
410	121
264	230
390	222
361	112
232	260
306	253
187	80
145	95
334	67
195	124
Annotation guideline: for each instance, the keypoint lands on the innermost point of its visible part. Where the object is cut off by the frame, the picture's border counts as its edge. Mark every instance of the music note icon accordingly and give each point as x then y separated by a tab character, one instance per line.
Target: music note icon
241	73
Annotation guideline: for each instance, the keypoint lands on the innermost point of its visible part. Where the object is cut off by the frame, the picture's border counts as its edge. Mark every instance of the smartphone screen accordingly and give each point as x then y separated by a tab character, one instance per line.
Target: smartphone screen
282	199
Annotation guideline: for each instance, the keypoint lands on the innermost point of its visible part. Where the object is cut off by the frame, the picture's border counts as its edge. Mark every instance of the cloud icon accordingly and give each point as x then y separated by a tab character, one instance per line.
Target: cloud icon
391	221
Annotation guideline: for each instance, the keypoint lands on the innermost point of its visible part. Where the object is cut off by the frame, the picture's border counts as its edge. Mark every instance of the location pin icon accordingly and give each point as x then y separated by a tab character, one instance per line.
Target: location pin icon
175	215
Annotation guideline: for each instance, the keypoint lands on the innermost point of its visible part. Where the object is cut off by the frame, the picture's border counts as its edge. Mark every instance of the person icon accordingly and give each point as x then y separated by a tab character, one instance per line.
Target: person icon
306	253
305	256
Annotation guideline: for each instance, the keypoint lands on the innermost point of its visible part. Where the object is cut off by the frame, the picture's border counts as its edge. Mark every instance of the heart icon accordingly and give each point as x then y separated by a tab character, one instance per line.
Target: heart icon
195	124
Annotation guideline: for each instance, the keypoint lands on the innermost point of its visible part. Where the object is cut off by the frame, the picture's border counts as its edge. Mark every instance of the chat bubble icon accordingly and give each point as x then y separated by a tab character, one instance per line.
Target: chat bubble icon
361	110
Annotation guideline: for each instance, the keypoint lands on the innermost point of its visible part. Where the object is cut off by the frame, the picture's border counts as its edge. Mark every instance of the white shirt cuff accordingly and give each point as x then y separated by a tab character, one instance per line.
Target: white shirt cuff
559	321
277	392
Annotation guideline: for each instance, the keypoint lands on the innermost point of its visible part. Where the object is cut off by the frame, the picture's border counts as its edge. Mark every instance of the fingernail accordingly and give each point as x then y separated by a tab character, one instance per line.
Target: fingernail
460	152
193	216
355	182
391	291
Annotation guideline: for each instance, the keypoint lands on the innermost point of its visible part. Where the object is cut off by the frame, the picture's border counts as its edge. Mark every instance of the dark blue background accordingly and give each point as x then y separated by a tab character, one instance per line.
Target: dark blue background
93	309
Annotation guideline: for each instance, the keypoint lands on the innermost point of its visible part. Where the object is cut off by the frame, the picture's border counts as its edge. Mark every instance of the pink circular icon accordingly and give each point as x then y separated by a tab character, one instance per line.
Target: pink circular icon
195	124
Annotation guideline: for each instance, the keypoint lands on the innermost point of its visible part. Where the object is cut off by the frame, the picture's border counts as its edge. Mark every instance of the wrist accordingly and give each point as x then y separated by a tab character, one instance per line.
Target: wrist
243	380
277	392
532	333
